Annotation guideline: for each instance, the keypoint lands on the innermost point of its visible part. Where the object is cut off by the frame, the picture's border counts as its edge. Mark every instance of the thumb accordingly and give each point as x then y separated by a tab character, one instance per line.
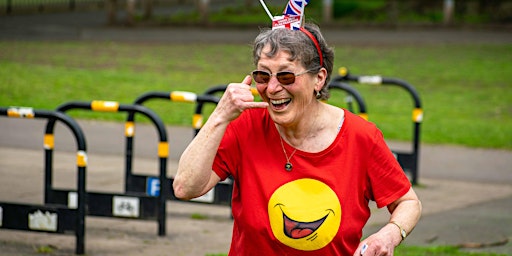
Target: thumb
247	80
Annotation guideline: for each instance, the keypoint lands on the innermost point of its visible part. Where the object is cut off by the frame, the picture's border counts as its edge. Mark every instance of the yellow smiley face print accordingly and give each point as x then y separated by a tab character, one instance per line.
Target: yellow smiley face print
304	214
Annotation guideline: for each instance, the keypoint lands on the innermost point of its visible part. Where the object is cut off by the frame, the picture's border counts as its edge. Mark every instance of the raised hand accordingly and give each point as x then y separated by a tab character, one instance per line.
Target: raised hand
237	98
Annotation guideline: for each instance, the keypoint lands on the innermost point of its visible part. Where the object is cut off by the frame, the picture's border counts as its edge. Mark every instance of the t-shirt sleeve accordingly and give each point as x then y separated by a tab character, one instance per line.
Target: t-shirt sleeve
388	181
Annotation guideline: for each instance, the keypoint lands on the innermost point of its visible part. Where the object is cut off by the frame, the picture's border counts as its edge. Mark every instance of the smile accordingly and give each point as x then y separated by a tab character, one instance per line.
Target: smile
296	229
280	103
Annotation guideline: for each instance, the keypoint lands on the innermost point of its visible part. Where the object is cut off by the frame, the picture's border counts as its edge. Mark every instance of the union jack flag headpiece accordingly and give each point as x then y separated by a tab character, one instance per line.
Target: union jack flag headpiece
292	15
295	7
292	19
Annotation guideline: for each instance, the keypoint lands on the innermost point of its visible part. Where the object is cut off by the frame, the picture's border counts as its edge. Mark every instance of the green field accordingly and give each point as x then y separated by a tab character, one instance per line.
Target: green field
466	90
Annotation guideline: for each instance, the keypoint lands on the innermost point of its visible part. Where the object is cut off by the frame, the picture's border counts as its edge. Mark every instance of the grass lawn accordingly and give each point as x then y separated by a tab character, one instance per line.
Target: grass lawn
466	90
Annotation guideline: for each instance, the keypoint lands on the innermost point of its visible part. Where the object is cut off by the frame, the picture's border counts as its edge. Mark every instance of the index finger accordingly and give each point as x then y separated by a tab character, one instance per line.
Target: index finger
256	104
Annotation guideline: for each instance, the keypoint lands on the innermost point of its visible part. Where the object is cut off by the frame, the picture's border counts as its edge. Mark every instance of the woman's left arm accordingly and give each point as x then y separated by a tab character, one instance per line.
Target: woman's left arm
405	214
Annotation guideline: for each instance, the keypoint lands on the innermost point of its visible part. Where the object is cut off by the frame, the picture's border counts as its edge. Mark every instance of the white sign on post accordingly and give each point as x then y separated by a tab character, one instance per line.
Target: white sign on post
126	206
72	200
46	221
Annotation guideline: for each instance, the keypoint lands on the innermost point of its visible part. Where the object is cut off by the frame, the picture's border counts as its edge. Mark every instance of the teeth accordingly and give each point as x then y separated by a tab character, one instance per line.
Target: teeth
278	102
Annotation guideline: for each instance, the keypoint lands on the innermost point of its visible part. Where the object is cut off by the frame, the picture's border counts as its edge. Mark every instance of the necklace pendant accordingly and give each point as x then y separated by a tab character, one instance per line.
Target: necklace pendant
288	166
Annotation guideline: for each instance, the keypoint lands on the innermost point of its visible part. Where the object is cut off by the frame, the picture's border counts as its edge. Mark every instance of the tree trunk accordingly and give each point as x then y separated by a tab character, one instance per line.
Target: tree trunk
148	9
448	8
130	12
111	7
393	12
203	11
327	11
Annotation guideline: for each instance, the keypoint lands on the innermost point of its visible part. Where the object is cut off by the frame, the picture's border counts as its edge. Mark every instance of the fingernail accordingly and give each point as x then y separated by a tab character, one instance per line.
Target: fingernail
363	249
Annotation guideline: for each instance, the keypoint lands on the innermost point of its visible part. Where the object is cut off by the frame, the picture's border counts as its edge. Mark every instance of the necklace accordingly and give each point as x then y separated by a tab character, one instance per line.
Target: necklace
288	166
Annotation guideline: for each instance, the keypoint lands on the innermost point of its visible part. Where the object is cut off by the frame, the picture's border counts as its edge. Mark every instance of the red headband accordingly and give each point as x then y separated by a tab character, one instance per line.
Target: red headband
315	42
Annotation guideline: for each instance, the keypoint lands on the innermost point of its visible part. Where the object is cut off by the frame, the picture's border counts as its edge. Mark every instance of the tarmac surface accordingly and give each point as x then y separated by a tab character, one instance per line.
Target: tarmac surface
92	26
466	192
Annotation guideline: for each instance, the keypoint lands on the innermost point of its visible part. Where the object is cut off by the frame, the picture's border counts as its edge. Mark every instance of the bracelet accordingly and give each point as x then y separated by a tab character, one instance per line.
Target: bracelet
403	233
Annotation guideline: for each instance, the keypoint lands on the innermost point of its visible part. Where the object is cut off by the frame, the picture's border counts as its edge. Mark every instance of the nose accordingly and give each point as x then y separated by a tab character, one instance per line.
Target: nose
273	85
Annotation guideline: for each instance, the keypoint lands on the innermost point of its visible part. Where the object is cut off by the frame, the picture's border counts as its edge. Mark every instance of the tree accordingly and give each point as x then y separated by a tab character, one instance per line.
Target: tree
328	11
448	7
203	10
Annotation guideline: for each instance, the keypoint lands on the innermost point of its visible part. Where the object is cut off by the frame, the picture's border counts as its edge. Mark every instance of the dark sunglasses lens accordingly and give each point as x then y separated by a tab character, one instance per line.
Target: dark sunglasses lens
261	77
286	78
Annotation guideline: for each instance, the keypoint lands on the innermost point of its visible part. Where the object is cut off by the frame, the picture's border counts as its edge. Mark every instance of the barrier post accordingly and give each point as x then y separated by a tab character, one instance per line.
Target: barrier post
353	93
137	183
140	205
408	160
69	210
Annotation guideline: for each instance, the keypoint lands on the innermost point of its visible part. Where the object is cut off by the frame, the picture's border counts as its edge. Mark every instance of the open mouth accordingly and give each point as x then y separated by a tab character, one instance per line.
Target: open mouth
280	104
296	229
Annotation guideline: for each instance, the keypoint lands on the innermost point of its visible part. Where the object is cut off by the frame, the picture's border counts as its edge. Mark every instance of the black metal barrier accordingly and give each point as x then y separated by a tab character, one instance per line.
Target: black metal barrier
120	205
408	160
60	218
352	94
221	194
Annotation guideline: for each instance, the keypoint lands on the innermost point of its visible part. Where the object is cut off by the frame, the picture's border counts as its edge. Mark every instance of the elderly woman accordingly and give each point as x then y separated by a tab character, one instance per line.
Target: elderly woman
304	170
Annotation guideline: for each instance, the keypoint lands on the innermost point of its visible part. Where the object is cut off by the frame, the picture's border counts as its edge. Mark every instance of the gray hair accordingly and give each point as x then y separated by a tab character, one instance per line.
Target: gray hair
300	47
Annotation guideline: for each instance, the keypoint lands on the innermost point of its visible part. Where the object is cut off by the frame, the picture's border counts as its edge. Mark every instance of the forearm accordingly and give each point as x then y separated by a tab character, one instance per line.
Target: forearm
195	176
405	215
403	218
405	212
195	166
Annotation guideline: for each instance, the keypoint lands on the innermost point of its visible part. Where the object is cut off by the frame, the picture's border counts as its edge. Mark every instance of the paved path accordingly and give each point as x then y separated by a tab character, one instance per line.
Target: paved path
91	26
466	193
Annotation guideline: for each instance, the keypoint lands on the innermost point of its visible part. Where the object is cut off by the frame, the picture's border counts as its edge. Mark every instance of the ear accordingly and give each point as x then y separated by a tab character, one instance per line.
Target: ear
320	79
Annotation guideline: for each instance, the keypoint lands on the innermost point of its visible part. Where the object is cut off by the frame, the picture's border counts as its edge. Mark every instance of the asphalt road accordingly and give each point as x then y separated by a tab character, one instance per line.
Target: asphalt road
92	26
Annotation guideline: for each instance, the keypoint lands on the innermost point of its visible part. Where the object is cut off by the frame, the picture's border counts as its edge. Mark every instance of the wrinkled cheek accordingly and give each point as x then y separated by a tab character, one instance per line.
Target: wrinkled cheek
261	91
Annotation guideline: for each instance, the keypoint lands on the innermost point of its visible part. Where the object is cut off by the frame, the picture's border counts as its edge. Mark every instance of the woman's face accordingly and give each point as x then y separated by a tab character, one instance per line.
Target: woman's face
287	103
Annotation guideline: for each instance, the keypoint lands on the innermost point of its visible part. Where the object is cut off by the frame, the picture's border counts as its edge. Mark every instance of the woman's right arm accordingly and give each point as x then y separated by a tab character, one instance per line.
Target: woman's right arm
195	176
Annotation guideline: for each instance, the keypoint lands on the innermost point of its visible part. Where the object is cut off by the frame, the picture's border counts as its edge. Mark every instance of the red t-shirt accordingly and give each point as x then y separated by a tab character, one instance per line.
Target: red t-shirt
318	208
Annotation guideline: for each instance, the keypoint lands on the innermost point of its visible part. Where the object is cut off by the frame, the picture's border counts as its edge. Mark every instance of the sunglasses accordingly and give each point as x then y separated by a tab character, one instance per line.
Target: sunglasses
285	77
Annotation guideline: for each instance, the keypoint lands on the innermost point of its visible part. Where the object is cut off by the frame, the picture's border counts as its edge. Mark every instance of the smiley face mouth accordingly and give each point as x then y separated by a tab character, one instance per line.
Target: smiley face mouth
297	229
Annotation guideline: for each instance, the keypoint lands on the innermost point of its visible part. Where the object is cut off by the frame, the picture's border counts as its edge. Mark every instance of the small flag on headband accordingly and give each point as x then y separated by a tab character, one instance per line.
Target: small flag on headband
295	7
289	22
292	18
292	15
